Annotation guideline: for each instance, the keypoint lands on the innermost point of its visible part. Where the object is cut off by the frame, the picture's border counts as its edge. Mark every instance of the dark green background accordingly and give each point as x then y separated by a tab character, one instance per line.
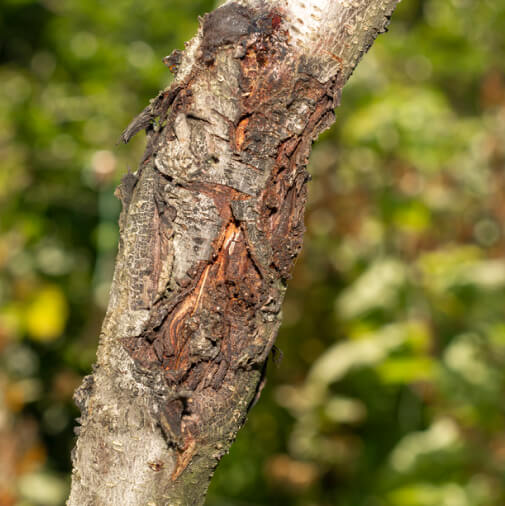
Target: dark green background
391	391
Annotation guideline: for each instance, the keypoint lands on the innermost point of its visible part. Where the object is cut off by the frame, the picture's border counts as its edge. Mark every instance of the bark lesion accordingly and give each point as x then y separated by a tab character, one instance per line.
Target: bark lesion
207	328
223	317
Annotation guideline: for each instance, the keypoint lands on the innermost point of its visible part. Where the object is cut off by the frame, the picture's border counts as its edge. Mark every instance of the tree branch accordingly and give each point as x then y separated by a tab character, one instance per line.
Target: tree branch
211	225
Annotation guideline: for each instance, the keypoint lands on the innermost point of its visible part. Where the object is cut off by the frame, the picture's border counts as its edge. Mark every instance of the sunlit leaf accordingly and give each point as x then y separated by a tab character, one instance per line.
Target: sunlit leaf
46	316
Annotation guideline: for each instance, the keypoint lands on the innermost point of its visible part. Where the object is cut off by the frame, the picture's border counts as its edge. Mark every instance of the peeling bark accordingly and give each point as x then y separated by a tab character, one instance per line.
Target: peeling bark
211	225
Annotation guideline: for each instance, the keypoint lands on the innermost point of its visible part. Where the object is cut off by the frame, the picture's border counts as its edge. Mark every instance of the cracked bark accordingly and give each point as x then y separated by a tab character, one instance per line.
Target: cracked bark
211	225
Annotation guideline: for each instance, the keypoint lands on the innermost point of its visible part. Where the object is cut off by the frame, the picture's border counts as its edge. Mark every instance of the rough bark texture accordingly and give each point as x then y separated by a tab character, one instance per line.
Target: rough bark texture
212	223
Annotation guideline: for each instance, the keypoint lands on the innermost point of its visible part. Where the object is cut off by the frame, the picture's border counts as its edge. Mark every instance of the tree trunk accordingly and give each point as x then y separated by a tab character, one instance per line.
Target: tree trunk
211	225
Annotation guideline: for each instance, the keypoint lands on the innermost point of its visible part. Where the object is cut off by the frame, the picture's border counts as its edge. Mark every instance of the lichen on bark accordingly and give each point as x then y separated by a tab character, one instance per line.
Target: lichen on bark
211	225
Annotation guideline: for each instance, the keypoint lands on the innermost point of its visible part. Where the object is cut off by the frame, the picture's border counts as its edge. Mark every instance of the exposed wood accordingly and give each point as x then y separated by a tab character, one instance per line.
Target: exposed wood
212	223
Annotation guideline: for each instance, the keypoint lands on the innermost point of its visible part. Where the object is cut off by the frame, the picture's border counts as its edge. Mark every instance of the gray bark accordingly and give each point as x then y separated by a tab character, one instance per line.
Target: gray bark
212	222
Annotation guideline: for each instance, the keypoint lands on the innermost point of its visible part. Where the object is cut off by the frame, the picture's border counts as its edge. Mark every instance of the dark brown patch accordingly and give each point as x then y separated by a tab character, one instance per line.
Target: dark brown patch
223	26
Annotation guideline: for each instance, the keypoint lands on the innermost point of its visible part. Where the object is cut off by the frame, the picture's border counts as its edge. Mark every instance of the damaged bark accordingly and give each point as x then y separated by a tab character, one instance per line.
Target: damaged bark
211	225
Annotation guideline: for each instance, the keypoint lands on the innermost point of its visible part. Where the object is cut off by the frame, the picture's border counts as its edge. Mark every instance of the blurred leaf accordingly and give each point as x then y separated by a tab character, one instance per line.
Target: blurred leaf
46	316
378	287
407	369
43	489
443	435
338	360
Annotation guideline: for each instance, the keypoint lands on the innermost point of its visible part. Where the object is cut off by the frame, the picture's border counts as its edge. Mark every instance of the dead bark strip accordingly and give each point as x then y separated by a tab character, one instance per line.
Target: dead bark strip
212	223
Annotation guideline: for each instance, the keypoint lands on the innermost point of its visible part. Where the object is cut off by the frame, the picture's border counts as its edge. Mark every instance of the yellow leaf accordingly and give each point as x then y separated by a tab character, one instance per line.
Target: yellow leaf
46	316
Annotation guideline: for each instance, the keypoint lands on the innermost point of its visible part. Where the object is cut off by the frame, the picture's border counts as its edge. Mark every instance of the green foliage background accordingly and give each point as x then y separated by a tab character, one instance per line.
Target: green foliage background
391	391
